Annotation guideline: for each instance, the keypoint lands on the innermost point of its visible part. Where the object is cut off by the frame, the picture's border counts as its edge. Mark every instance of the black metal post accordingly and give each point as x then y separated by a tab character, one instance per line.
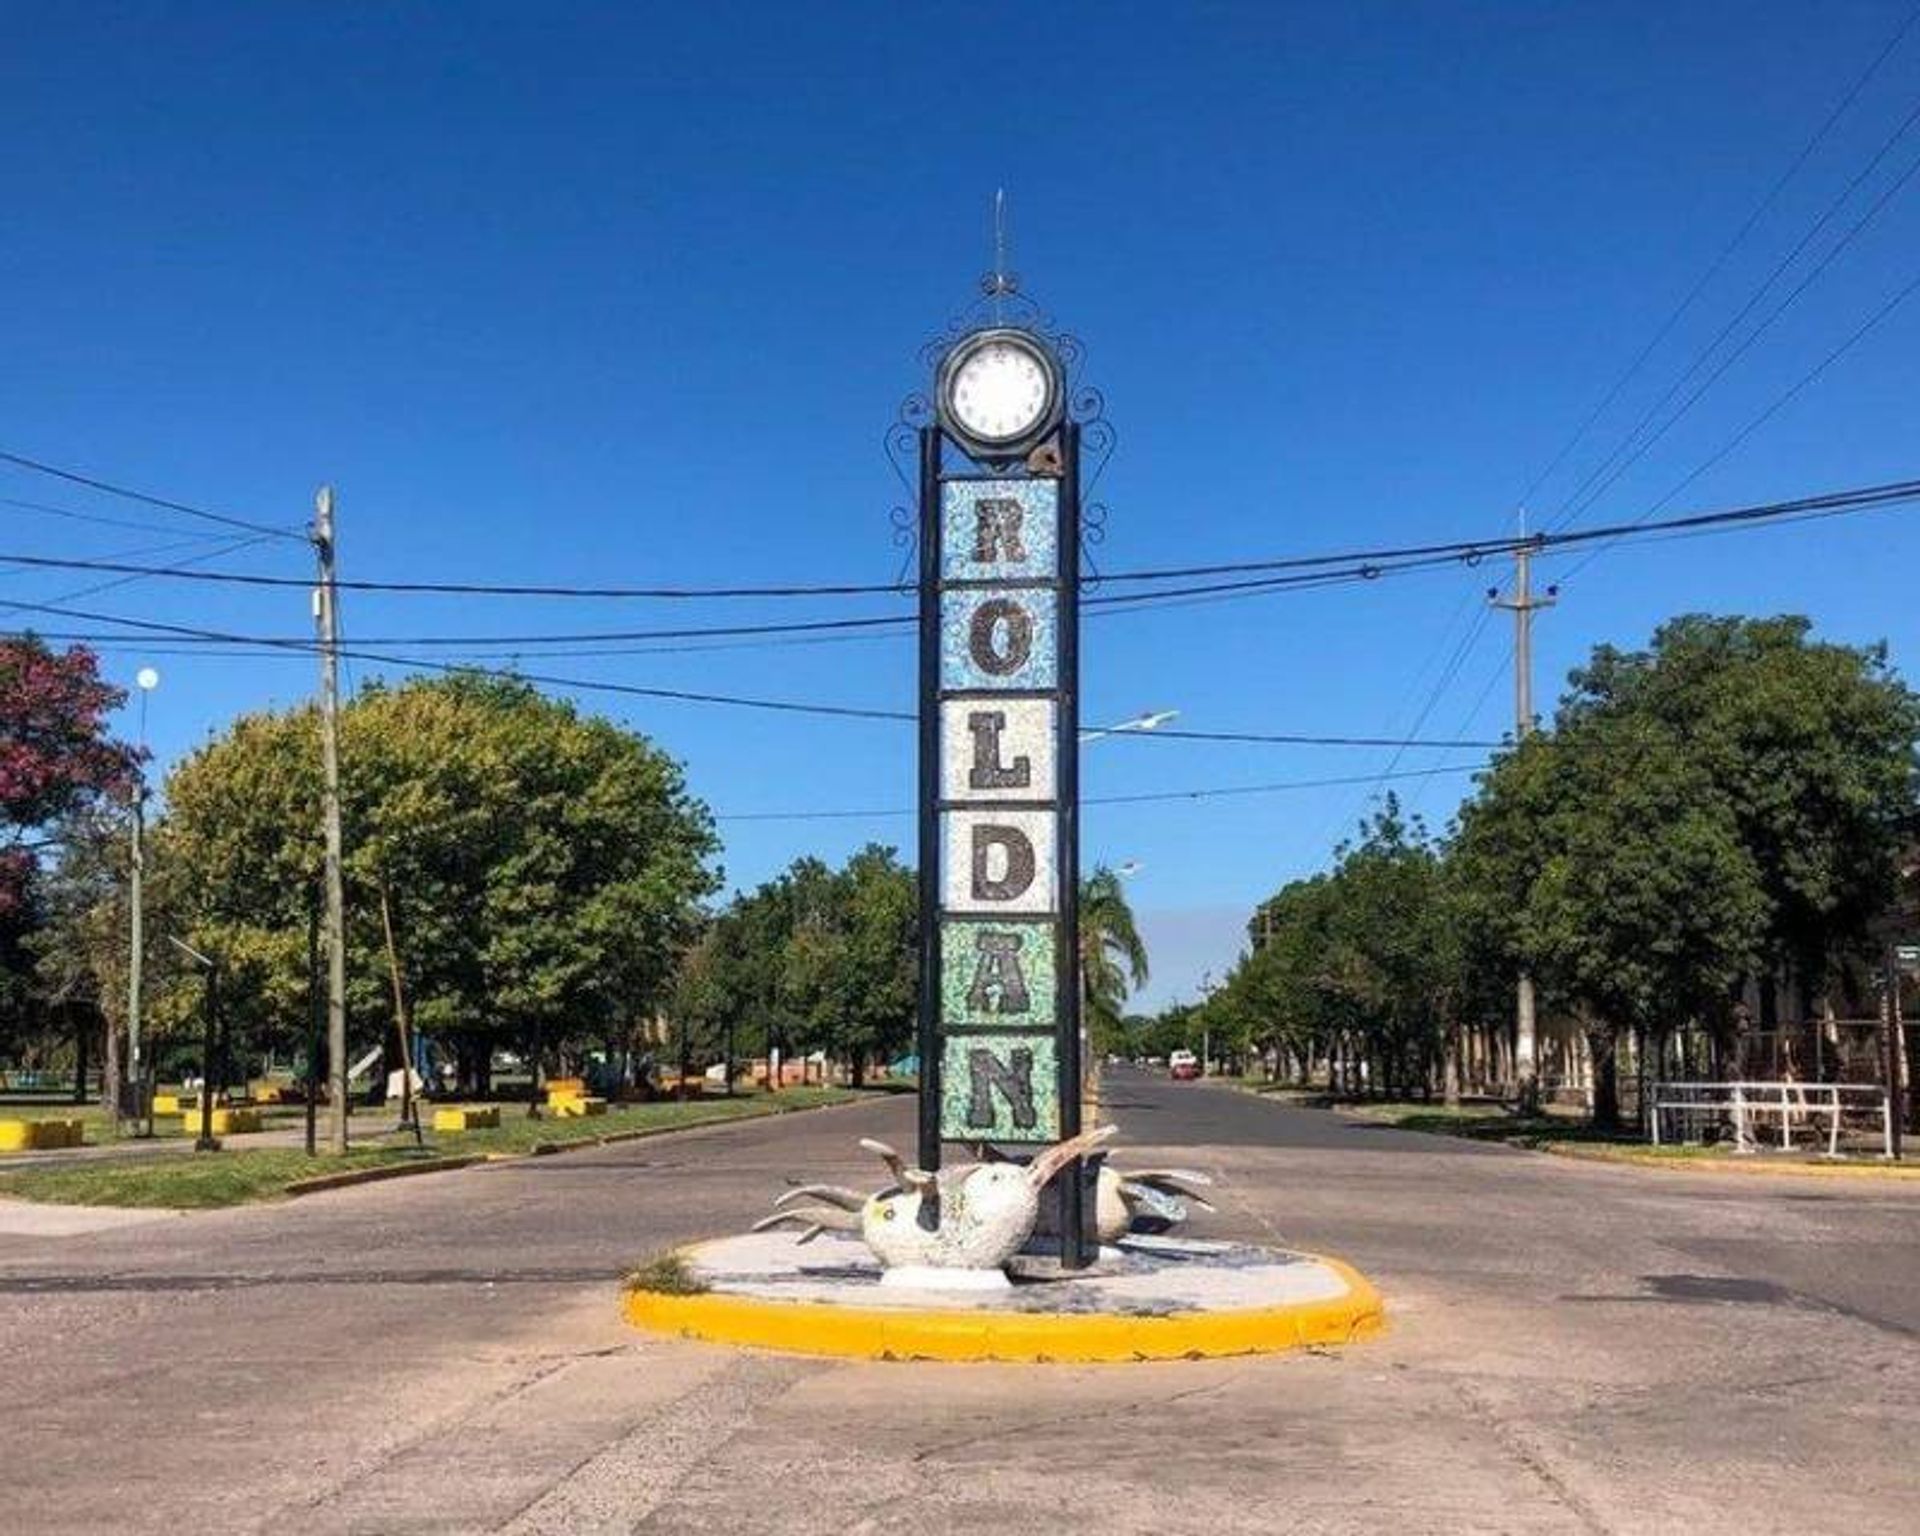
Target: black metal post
927	1031
208	1049
1073	1246
78	1020
1890	1039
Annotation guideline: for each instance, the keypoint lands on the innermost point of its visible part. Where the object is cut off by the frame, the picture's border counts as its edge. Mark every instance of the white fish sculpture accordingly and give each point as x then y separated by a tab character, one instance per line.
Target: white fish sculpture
1146	1199
968	1219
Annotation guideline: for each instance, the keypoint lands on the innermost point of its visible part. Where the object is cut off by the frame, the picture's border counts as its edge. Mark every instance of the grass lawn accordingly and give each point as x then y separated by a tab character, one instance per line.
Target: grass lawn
198	1181
518	1133
1568	1136
238	1173
45	1106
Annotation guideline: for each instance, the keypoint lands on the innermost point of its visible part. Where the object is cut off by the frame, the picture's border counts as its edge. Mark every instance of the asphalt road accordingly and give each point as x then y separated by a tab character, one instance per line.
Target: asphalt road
1573	1348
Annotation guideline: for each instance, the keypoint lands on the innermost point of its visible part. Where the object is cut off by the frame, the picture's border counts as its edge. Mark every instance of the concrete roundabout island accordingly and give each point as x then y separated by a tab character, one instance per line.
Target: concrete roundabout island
1146	1299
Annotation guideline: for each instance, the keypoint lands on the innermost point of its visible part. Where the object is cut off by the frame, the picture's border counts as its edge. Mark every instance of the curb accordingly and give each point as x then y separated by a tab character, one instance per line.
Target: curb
1893	1173
347	1178
1099	1338
646	1132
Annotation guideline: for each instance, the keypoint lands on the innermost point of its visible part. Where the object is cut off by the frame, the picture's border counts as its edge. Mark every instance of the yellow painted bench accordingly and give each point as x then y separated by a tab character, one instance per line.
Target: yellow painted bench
467	1117
226	1122
566	1088
183	1102
574	1106
41	1135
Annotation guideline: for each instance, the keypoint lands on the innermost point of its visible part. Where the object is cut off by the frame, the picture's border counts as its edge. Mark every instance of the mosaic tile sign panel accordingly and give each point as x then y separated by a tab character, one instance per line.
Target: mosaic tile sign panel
1000	961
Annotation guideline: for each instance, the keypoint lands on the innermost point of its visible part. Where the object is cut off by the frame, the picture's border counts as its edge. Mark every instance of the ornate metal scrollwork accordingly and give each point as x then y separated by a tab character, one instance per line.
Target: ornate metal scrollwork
1001	303
903	439
1098	436
1093	532
906	539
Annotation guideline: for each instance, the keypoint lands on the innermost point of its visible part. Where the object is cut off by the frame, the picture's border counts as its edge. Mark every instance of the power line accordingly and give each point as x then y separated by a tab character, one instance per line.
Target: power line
1583	497
1779	403
478	589
308	647
427	664
1376	564
230	547
1726	252
93	483
1212	792
1735	355
1360	565
72	514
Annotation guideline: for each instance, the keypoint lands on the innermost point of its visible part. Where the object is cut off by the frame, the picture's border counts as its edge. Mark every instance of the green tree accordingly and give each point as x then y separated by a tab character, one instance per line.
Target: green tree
540	869
815	959
1617	870
60	771
1810	744
1113	956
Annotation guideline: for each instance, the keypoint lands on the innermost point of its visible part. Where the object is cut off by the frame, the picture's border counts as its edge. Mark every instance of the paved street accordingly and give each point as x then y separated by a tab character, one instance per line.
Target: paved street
1573	1348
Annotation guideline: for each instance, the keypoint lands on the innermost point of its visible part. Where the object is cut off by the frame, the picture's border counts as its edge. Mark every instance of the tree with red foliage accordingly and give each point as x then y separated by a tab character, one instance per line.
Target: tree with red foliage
55	754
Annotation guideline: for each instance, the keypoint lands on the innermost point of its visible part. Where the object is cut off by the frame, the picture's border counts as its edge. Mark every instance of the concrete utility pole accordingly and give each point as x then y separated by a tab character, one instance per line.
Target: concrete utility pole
1526	1054
148	680
326	614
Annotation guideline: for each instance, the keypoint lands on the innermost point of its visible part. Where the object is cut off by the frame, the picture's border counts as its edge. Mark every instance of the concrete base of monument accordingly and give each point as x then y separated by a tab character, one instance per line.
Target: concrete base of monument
924	1277
1152	1299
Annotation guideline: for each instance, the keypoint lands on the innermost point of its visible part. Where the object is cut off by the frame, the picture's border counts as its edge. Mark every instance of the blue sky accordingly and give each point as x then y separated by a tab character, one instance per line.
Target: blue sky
630	294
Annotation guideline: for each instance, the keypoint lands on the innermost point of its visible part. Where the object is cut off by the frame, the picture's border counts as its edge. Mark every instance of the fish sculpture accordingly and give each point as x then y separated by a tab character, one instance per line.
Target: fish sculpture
1145	1199
972	1217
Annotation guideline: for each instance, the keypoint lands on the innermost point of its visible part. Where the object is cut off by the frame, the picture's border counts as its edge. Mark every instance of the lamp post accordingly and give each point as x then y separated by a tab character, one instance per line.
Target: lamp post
205	1142
148	680
1150	720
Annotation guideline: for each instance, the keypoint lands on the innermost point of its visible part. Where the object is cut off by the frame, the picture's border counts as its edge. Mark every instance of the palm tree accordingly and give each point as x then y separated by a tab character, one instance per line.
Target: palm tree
1113	957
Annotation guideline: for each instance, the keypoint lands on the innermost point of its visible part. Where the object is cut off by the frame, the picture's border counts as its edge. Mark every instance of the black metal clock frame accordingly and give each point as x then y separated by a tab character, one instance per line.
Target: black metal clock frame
999	452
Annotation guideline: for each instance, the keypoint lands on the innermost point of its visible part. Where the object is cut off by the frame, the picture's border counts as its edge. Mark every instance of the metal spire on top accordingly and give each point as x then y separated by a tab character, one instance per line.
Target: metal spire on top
1001	281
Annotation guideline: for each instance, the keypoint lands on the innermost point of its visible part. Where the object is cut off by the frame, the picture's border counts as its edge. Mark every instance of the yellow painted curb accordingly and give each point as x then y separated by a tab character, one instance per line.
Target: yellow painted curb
41	1135
379	1173
467	1117
1635	1158
863	1333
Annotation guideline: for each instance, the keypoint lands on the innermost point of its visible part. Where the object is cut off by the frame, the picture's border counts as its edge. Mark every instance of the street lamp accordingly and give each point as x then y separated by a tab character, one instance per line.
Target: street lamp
148	680
1129	869
1150	721
205	1142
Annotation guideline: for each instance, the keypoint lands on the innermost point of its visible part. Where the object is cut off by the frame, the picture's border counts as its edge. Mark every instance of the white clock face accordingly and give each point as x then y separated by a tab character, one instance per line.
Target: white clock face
1000	392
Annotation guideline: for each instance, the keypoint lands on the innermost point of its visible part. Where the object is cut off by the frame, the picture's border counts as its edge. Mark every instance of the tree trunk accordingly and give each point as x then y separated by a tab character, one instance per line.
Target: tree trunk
1602	1042
1450	1066
111	1066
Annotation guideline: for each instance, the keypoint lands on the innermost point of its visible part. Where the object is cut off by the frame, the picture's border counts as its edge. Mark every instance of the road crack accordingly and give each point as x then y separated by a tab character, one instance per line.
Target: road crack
1514	1443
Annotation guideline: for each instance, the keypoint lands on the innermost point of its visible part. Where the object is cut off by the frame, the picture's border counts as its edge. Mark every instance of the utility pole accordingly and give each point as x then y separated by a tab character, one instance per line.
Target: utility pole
136	954
148	680
326	614
1523	603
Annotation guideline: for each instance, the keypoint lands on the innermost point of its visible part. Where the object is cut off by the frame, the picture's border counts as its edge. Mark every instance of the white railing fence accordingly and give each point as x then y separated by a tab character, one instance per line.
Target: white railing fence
1685	1111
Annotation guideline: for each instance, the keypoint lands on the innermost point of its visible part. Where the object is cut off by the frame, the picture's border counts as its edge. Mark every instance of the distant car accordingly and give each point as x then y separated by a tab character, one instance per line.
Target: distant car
1183	1066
